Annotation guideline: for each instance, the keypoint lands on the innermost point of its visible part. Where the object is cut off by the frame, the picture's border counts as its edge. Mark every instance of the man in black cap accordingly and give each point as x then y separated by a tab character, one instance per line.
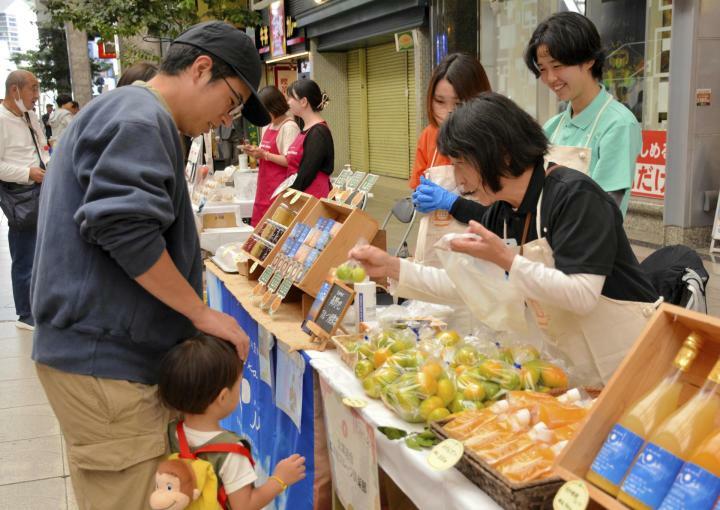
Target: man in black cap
118	276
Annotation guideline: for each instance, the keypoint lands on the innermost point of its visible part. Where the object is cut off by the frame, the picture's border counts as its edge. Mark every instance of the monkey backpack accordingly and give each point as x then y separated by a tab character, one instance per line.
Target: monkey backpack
205	462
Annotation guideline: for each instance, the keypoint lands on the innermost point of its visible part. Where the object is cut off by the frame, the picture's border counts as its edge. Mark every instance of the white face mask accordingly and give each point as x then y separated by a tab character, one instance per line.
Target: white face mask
20	104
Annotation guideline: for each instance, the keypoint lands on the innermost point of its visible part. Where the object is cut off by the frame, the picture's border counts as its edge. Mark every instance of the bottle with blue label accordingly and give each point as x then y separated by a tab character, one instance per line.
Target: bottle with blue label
667	449
639	421
697	486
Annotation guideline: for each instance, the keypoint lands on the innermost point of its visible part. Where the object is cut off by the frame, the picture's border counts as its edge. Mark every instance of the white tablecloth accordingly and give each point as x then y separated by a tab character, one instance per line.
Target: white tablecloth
408	468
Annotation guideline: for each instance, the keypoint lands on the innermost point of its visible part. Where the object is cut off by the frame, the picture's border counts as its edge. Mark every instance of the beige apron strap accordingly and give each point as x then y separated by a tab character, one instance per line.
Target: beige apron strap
597	119
432	163
560	124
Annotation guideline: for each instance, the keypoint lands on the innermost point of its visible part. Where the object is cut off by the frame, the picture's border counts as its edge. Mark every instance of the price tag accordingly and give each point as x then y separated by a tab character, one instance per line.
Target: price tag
357	403
572	495
284	287
254	266
275	282
266	275
446	454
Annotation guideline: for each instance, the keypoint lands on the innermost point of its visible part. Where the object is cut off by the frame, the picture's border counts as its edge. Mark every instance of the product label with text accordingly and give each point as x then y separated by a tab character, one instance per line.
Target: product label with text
617	453
652	475
694	488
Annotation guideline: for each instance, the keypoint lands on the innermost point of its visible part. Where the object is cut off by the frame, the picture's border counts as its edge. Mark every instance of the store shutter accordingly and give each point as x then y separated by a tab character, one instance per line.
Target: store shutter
357	110
412	108
388	98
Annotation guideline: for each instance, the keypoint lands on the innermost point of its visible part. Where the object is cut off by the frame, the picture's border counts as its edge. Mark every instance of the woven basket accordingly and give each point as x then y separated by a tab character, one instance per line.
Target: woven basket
535	495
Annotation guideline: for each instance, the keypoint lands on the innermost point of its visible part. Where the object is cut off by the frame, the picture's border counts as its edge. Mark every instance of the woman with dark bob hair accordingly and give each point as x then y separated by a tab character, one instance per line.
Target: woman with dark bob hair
311	157
575	268
273	149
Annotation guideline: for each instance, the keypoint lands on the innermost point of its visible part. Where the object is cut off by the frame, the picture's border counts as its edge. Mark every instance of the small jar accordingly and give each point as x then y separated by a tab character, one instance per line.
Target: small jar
267	230
283	215
257	250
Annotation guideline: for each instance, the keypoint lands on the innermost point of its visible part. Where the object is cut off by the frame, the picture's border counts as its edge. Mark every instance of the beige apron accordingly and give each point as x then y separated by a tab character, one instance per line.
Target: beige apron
437	223
577	158
595	343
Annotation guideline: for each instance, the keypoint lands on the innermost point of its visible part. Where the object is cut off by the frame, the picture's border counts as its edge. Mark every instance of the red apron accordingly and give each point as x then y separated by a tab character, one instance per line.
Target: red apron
270	176
320	187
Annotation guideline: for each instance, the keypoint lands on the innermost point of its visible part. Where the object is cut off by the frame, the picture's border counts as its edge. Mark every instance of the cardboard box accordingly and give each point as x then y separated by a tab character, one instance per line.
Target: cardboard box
647	363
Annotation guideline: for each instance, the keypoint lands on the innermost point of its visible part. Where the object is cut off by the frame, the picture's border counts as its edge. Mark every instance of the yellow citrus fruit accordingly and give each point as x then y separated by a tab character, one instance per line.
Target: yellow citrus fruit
380	356
428	385
449	338
433	369
438	414
474	392
446	390
429	405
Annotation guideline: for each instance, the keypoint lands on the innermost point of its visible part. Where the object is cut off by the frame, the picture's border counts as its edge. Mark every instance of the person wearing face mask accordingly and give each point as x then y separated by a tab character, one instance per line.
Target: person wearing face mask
457	78
23	157
117	280
574	268
311	156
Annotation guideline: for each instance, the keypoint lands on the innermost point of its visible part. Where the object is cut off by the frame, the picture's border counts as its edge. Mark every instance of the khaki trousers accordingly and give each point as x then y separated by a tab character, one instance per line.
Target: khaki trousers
115	433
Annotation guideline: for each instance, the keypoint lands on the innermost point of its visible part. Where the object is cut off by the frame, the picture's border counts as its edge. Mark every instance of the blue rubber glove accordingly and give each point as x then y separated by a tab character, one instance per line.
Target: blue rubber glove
430	197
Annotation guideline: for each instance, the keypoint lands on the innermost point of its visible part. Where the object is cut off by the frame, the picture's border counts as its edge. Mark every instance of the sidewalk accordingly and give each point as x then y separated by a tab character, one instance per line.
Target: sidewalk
33	465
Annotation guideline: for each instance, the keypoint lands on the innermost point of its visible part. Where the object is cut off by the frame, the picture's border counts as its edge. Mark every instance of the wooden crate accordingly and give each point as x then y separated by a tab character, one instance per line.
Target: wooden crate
356	224
303	205
647	363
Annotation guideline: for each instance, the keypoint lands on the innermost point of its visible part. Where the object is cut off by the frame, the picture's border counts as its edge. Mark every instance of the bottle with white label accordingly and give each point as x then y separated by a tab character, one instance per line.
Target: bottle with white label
660	461
629	434
697	486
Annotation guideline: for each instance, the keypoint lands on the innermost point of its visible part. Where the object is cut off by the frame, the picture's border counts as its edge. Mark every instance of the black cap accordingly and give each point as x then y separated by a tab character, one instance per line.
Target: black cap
237	50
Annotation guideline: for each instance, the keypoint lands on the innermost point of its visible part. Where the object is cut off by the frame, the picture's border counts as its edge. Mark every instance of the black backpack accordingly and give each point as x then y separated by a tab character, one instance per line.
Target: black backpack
679	276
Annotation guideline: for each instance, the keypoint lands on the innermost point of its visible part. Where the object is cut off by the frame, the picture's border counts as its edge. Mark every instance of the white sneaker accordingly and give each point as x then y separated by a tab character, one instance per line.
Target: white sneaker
25	324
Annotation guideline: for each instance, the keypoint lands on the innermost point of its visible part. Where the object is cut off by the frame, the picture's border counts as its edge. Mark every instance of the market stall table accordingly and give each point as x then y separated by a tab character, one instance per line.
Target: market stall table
281	410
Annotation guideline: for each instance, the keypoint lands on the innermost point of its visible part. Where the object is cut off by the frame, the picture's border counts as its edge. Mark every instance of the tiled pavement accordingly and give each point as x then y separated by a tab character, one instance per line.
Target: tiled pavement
33	465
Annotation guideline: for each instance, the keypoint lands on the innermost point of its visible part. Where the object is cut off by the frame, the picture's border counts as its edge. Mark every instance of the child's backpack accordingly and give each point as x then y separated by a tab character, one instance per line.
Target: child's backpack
206	461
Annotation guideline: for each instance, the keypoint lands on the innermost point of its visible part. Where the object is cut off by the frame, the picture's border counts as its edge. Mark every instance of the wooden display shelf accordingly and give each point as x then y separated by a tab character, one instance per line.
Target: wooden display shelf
302	203
356	225
648	362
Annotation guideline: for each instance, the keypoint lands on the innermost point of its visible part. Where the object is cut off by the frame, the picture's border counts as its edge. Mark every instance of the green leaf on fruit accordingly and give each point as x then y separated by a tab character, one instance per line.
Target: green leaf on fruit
393	433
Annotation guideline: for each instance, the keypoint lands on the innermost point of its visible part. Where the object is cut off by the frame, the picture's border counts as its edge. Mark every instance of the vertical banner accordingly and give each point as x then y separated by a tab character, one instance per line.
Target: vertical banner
353	453
650	167
277	29
272	435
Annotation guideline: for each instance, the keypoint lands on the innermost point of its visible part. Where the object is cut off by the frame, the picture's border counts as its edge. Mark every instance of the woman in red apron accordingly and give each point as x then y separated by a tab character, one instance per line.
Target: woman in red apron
272	153
311	157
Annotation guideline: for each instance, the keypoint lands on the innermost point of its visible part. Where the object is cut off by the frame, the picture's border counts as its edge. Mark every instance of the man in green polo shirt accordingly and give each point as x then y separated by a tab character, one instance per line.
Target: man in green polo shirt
566	53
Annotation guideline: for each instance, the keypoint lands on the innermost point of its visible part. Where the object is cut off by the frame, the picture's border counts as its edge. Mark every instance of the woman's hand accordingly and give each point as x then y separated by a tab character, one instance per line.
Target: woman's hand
377	263
487	246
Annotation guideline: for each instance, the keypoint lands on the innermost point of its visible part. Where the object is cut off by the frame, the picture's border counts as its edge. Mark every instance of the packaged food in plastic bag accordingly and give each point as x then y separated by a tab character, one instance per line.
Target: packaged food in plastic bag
485	288
376	381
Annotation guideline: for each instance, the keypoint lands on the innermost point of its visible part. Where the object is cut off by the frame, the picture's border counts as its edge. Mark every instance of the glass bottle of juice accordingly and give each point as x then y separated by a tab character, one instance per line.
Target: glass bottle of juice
639	421
670	445
697	486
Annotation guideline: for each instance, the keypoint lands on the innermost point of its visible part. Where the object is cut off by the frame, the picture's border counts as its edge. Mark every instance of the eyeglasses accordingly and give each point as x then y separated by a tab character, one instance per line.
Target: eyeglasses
236	111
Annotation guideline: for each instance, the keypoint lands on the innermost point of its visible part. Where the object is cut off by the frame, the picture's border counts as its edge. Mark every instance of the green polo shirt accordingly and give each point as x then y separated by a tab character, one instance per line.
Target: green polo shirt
615	143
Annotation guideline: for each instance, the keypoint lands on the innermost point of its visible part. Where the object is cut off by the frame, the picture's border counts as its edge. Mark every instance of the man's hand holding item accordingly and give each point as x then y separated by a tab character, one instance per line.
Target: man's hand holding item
37	174
377	263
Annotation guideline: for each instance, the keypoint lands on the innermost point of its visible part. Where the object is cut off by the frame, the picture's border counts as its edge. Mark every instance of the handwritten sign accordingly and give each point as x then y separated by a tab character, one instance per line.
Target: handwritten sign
266	275
275	282
446	454
368	183
650	166
342	178
333	308
284	287
572	495
353	453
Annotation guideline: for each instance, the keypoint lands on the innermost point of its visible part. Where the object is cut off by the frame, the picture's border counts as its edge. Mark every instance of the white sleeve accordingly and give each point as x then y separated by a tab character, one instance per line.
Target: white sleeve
286	136
236	473
577	293
426	283
8	171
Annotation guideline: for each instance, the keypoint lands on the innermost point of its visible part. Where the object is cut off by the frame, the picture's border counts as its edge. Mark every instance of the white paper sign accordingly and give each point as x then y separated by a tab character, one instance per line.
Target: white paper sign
353	453
265	345
289	380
